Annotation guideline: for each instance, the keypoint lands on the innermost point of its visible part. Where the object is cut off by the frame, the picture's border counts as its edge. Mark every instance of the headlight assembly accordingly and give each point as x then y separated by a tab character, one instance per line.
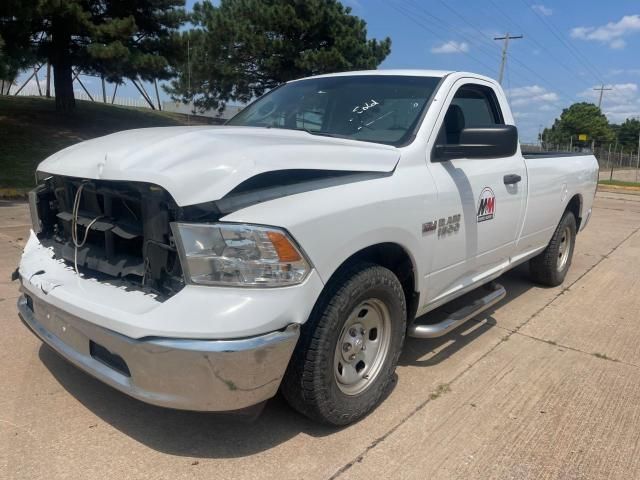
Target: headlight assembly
241	255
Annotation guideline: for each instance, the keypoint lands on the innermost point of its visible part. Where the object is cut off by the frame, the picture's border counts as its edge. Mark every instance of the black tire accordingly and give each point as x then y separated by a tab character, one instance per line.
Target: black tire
310	384
547	268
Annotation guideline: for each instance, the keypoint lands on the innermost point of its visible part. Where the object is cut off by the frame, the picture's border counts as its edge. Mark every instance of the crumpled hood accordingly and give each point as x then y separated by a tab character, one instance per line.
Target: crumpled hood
200	164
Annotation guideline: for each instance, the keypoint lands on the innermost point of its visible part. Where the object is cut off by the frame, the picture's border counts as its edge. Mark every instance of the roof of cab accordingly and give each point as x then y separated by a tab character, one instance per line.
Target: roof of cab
412	73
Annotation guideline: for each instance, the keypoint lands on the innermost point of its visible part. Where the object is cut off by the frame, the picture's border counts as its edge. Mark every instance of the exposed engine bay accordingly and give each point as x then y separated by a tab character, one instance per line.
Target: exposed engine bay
106	229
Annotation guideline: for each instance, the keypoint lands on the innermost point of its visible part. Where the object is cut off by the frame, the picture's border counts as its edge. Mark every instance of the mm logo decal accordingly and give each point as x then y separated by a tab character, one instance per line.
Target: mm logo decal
486	205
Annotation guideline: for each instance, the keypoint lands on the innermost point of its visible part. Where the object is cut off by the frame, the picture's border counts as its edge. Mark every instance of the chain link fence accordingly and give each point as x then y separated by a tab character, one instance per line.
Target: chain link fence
616	164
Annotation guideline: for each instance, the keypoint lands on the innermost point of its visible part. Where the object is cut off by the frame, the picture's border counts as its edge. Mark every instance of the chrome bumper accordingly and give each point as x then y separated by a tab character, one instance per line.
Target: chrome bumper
204	375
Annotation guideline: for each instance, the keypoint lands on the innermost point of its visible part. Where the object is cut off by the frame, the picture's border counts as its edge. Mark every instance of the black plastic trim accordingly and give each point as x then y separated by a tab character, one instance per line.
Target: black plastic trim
534	155
239	198
495	141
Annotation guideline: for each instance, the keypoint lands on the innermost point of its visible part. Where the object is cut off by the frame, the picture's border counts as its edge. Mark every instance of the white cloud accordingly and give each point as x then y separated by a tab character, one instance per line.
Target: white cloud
618	104
618	44
522	115
611	33
542	10
532	95
530	119
451	47
533	106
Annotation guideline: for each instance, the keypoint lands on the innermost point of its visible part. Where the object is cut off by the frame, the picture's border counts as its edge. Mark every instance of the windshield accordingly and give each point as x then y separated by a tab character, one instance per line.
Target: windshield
372	108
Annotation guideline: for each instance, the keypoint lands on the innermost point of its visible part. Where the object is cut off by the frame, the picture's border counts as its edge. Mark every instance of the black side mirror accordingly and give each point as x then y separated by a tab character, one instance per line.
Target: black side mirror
495	141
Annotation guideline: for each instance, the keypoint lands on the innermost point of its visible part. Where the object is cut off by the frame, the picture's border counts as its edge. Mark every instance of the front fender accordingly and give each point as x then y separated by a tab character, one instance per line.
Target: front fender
334	223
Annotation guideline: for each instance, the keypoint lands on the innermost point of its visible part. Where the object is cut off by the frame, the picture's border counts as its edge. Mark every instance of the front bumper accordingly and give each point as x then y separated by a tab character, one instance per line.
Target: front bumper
189	374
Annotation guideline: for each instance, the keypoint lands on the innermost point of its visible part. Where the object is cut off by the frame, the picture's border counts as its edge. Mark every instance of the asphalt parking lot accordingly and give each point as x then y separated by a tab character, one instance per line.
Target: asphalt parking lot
545	385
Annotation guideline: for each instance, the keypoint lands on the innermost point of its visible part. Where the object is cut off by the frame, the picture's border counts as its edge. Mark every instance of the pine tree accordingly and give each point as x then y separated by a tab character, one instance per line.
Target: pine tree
16	49
242	48
117	39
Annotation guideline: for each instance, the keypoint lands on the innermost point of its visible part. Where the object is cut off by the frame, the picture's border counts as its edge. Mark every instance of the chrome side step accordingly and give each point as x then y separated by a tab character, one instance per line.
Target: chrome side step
497	293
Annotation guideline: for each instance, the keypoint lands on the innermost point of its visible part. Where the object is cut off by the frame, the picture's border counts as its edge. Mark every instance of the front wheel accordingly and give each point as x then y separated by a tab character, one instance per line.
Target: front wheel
551	266
345	360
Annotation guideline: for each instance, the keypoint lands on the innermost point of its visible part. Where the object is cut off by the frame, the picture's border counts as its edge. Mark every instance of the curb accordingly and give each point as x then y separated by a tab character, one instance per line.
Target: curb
619	189
14	193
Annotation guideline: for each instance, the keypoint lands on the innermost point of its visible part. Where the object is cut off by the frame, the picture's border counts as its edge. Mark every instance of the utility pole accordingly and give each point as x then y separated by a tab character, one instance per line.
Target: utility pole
505	46
602	90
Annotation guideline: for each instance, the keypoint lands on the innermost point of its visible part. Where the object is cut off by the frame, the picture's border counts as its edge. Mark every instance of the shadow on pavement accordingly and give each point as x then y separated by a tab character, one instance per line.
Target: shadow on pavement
428	352
207	435
182	433
13	202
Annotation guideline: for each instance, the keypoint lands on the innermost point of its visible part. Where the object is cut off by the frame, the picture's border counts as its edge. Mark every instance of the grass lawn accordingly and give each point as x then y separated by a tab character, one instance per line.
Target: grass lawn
31	130
619	183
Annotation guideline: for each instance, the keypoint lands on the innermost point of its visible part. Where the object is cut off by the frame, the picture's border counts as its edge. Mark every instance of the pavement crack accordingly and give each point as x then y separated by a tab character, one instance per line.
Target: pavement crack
439	391
565	289
360	457
601	356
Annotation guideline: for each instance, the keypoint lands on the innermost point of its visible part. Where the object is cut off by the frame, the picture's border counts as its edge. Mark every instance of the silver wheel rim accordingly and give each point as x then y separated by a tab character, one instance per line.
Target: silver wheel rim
363	346
564	249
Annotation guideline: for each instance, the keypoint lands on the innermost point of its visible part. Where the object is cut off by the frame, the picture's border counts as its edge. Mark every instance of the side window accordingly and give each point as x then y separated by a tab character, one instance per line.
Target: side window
472	106
479	106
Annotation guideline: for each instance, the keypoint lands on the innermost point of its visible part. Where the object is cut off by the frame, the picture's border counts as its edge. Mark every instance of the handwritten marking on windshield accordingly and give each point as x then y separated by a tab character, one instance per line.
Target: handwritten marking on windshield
363	108
368	125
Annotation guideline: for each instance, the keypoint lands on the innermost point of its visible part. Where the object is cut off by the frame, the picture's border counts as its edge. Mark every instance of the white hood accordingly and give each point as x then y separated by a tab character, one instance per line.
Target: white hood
200	164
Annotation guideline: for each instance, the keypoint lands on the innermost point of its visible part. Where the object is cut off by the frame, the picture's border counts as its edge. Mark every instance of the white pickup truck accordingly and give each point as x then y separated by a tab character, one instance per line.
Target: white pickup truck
204	268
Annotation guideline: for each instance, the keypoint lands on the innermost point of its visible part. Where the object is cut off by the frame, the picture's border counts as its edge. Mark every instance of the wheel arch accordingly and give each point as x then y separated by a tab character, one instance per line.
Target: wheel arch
390	255
575	206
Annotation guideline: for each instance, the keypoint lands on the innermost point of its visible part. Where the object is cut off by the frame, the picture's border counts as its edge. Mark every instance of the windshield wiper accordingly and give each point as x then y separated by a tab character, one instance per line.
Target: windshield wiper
318	133
314	132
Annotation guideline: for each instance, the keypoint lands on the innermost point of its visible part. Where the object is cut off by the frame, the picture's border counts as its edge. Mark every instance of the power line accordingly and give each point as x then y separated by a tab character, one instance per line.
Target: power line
505	47
420	16
549	52
567	44
482	36
408	14
439	22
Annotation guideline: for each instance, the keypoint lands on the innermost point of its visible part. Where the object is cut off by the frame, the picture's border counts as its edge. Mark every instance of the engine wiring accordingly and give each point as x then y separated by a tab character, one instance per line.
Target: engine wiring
74	226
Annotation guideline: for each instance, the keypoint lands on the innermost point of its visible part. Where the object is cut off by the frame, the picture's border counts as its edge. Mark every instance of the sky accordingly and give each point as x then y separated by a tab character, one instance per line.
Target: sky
569	48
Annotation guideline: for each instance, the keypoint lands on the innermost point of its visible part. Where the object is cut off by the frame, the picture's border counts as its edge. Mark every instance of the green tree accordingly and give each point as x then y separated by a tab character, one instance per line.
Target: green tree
4	65
16	49
114	38
242	48
579	118
628	134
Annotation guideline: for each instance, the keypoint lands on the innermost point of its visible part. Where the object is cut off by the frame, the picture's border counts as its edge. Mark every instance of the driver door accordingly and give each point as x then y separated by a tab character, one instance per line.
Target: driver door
481	190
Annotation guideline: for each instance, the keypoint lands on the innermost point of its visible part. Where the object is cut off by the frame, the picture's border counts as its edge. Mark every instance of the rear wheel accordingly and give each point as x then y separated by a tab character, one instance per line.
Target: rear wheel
344	363
551	266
